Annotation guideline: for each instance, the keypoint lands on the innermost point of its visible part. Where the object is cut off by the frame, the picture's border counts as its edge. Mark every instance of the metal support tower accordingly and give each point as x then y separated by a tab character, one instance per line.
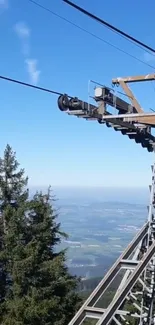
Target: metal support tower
133	302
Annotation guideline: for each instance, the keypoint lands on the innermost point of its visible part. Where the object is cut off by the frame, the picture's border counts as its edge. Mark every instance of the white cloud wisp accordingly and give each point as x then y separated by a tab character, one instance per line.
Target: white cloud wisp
24	32
32	70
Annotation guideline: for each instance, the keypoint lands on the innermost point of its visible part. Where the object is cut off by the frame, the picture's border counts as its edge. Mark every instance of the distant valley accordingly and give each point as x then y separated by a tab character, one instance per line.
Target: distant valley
98	232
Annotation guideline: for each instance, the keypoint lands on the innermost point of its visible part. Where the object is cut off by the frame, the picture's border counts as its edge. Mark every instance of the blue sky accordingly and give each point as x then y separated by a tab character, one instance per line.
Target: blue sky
40	48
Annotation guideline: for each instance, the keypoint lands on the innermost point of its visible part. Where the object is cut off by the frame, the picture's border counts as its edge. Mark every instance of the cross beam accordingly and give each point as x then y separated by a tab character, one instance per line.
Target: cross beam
123	83
147	77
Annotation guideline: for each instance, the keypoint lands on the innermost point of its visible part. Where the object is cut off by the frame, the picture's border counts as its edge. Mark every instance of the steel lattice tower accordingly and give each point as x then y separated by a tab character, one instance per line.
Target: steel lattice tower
133	302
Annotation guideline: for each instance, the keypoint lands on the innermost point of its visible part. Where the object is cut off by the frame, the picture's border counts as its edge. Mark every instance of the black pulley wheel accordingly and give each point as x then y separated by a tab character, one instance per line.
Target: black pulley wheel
123	132
138	139
108	125
63	102
150	148
100	121
144	144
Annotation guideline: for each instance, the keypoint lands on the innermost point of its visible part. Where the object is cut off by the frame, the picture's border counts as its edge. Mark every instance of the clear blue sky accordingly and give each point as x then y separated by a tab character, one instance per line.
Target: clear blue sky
53	147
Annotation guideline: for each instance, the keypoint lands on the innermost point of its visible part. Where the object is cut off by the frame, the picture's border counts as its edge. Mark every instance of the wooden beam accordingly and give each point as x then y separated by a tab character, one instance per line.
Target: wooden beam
131	96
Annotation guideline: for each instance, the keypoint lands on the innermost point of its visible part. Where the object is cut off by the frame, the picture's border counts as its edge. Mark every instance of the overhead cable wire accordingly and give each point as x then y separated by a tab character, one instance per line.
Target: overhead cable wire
90	33
30	85
112	28
115	29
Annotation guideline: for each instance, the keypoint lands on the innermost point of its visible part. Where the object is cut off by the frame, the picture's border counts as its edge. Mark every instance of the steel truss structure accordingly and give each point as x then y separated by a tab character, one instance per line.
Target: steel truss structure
130	120
134	300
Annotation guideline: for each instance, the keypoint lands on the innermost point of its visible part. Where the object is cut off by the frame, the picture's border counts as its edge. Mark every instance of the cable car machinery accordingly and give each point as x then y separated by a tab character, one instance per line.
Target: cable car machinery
131	119
137	286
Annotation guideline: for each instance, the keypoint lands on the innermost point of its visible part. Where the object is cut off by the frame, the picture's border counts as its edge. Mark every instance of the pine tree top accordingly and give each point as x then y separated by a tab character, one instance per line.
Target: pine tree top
36	287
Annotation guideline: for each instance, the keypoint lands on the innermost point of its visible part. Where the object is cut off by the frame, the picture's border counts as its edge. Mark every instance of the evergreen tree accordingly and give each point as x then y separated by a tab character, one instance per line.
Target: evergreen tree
12	199
38	287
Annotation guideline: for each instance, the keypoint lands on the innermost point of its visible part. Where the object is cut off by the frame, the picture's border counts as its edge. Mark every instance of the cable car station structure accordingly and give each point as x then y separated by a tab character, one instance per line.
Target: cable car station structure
134	301
131	119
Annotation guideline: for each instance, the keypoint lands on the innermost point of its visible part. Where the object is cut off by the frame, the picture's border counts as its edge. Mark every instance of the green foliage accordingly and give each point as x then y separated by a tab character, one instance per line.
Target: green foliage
12	200
36	287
